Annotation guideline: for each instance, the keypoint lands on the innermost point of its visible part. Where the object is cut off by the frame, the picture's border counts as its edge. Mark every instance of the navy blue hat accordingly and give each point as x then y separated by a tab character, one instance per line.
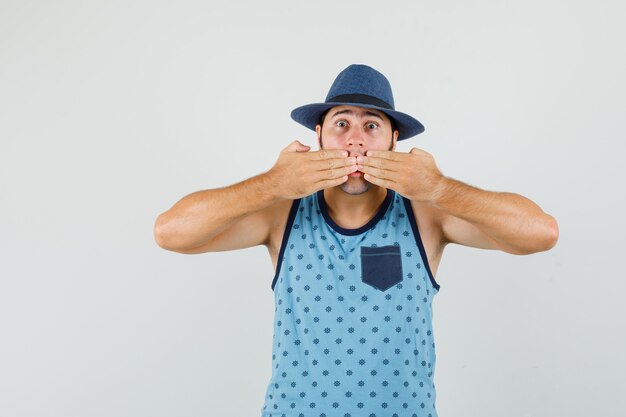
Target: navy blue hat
363	86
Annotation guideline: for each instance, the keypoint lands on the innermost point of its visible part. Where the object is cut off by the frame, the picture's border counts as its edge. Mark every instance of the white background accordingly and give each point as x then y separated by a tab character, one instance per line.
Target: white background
110	112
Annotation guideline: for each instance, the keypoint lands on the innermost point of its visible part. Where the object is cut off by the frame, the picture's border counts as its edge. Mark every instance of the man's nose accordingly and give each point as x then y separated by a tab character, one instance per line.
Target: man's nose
356	141
356	150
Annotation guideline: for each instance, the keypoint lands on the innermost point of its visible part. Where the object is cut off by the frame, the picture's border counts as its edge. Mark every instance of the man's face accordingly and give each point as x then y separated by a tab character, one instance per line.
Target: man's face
356	129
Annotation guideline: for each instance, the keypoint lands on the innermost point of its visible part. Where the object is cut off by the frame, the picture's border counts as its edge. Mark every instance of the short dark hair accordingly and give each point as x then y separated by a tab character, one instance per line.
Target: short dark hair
323	116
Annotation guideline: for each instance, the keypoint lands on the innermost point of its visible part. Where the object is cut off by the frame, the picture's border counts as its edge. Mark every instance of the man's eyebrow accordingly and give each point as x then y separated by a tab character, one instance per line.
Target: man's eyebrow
348	111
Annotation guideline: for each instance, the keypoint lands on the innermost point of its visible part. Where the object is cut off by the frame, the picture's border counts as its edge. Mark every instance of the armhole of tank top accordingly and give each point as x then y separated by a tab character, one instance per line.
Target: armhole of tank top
418	240
290	220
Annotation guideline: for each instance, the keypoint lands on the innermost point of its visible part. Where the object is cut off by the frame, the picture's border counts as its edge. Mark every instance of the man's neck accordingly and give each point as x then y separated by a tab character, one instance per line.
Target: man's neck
349	209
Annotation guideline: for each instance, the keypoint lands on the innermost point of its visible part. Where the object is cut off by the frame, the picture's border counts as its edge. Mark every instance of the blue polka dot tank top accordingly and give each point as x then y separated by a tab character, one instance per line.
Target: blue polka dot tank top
353	330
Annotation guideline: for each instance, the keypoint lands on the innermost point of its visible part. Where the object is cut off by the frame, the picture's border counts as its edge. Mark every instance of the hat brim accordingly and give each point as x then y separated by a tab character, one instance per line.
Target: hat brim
309	116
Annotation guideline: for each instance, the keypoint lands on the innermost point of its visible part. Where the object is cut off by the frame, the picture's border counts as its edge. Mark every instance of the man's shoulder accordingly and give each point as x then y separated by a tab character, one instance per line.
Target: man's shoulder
428	219
278	217
281	209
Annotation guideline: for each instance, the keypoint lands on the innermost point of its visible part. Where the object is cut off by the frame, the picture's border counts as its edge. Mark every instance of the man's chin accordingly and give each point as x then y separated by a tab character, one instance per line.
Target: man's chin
355	185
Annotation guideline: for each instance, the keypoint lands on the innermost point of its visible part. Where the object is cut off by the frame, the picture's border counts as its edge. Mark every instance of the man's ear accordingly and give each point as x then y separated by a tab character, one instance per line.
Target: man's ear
318	131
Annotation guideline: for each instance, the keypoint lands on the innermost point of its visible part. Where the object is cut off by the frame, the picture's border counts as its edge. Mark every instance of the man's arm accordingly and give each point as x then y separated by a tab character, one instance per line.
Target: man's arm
243	211
492	220
243	215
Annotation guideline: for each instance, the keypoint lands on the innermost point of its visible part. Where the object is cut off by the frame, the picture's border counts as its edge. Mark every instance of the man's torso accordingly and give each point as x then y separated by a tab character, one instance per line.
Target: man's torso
353	310
425	216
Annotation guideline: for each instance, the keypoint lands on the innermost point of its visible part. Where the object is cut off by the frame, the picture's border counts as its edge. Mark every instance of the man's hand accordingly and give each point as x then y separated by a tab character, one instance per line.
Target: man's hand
298	172
413	175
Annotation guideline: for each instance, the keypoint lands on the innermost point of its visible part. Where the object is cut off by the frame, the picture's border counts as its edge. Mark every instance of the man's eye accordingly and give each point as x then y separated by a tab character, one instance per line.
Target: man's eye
340	121
373	124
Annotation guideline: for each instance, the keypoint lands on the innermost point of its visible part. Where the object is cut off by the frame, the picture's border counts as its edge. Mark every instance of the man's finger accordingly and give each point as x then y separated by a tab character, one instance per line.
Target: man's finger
382	163
329	153
385	174
393	155
330	163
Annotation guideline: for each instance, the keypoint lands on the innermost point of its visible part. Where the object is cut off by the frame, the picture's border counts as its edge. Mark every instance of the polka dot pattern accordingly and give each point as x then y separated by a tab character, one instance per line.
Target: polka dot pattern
353	330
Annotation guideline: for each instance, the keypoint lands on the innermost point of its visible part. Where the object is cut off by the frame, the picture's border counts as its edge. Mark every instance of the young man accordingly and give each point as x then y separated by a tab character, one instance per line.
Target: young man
355	232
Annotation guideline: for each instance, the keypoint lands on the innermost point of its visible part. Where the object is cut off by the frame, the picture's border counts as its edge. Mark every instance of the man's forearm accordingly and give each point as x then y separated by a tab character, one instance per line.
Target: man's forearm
199	216
506	217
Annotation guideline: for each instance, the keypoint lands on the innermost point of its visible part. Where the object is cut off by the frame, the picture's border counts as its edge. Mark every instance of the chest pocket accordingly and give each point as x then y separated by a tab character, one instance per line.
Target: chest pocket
381	267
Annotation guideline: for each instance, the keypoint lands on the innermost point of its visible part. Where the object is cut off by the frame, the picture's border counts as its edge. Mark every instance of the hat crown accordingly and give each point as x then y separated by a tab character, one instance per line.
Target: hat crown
362	86
362	79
